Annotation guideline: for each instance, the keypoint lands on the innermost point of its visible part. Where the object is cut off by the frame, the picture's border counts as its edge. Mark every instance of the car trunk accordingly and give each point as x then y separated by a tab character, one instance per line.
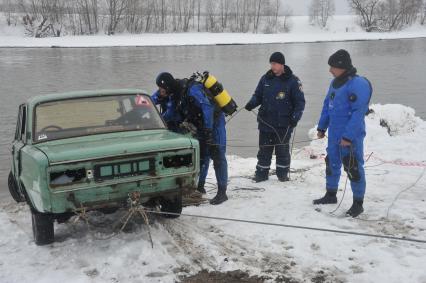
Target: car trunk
111	145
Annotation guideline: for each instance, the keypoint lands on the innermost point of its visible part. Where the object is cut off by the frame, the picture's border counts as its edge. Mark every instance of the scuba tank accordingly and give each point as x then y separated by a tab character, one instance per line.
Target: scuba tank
216	91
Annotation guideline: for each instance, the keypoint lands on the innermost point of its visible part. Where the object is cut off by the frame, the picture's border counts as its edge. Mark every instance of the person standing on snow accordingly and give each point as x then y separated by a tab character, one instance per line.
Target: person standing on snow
190	104
343	113
282	102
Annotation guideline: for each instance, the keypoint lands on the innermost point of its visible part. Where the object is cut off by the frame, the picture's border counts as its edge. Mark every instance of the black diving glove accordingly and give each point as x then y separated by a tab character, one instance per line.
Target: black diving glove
293	123
248	107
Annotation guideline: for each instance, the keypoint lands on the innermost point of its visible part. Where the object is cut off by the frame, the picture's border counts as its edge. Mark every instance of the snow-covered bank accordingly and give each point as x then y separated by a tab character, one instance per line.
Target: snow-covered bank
340	28
187	245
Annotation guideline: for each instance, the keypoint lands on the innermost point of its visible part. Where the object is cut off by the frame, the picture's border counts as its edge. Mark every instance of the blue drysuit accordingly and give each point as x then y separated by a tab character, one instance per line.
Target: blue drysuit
168	110
282	103
199	110
343	113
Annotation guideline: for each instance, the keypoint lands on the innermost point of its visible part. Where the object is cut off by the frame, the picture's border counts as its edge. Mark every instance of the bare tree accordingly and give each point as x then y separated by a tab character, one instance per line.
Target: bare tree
44	18
367	11
211	16
320	11
271	16
287	23
423	13
410	10
115	9
132	17
386	15
88	15
188	14
257	13
8	9
225	9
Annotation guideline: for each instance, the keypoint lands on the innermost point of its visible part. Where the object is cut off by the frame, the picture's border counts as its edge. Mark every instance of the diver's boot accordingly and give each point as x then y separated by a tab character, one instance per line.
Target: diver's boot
329	198
356	208
220	196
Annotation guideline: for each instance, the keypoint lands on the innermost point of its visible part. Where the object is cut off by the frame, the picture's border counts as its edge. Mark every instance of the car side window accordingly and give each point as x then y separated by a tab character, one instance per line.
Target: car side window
22	134
18	123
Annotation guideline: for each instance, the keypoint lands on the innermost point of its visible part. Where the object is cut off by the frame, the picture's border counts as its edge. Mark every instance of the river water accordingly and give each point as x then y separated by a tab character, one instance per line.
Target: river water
395	68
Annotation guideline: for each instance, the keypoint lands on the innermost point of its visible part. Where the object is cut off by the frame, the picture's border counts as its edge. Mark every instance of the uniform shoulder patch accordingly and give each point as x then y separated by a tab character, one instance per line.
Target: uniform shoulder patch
299	83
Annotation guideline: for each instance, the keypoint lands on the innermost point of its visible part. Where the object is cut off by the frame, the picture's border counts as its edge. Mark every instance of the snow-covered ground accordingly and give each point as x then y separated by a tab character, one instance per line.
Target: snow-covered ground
187	245
340	28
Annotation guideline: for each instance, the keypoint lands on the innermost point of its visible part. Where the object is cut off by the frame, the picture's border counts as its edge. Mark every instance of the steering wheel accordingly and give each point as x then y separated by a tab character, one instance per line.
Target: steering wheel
53	127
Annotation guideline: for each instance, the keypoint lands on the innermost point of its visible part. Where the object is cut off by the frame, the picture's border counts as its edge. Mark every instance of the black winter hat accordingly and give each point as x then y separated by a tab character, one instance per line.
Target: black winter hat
277	57
341	59
167	81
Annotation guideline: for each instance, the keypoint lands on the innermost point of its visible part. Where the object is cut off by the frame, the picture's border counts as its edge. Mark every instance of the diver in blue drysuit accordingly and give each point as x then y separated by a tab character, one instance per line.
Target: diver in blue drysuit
168	102
343	114
190	104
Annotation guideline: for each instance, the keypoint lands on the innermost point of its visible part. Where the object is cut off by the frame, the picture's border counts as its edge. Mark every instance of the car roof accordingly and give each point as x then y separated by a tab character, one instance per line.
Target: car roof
80	94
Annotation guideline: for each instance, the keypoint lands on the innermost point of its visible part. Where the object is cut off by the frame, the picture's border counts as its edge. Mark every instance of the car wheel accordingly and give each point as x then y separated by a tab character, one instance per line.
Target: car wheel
42	228
172	205
13	188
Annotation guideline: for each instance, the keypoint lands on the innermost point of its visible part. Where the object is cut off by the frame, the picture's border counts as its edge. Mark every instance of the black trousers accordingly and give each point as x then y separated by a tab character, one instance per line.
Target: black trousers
268	142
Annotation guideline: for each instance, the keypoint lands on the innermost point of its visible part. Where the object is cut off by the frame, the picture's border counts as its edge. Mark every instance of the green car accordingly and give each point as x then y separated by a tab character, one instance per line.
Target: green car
92	150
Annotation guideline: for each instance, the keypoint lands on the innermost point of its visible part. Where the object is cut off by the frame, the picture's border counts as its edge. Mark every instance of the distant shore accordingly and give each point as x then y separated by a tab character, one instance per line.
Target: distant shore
340	28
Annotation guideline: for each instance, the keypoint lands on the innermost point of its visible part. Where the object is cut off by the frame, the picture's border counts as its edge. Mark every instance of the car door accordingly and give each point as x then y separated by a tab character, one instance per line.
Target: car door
19	140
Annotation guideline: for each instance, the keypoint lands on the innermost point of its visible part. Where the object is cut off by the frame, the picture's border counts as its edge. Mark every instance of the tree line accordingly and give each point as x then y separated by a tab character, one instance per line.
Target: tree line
43	18
47	18
373	15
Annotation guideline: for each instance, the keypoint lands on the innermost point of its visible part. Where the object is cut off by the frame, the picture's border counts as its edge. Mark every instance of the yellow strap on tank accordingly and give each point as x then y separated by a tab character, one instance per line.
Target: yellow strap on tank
223	98
210	81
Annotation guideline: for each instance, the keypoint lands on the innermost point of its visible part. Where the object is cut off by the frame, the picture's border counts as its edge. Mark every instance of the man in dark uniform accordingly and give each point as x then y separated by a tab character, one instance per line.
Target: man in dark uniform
281	99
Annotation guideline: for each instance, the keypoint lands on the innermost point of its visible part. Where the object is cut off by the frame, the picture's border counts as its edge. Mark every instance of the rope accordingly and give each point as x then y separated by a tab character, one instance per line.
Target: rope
291	151
386	218
405	190
293	226
232	117
134	208
270	126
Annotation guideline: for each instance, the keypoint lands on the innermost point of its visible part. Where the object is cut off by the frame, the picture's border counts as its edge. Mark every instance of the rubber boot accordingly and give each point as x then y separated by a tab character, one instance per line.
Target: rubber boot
220	196
356	208
329	198
261	176
284	178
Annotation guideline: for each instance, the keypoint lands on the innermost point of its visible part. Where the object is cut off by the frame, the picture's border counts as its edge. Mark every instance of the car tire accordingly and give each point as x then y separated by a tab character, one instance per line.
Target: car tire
172	205
13	188
43	228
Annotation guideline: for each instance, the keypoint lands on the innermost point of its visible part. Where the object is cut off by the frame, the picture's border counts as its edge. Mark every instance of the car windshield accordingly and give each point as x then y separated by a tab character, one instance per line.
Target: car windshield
95	115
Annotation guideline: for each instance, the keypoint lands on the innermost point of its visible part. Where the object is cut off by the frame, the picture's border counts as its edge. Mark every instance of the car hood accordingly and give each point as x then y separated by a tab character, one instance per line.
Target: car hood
114	144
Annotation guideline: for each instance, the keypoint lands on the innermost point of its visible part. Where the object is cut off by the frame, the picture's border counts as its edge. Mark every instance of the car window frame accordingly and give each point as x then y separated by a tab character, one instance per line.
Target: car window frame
33	127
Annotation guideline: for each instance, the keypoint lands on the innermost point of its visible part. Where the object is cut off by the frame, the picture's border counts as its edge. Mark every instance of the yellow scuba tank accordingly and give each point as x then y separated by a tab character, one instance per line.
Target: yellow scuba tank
219	94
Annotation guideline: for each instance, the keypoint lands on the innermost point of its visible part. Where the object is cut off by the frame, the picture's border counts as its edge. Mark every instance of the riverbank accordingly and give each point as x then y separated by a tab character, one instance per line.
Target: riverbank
340	28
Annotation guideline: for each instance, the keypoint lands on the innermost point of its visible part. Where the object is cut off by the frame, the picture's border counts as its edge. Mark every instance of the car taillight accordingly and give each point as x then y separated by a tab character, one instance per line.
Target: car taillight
67	177
176	161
